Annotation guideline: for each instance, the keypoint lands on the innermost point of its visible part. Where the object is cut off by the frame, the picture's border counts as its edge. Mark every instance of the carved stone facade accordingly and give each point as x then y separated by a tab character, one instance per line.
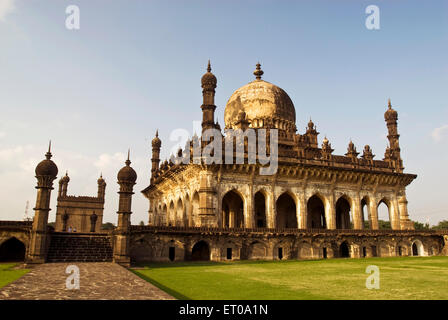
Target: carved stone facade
79	213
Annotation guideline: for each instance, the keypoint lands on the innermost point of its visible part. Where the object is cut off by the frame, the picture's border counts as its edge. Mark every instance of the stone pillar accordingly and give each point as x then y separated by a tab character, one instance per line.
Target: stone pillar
46	172
394	214
301	211
357	214
207	214
270	210
405	222
330	212
249	210
373	210
126	179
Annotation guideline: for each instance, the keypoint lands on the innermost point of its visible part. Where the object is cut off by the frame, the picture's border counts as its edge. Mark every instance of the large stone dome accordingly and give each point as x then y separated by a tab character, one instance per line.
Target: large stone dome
263	103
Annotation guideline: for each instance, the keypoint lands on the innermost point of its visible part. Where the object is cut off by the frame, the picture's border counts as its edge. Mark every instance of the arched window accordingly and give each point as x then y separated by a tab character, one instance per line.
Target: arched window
384	221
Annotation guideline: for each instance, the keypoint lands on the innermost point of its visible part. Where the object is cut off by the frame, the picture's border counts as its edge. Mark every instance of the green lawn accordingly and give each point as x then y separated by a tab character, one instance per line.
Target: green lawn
400	278
8	274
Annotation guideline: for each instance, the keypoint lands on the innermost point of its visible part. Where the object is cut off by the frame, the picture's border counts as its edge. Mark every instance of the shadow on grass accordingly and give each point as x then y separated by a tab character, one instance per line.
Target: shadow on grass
168	290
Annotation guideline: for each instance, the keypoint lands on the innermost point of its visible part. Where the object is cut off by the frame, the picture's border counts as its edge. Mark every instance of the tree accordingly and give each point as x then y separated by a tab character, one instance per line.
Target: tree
384	224
441	225
142	223
421	226
108	226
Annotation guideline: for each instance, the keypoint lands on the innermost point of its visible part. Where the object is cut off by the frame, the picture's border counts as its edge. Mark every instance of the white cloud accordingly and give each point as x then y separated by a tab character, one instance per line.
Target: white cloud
438	134
6	7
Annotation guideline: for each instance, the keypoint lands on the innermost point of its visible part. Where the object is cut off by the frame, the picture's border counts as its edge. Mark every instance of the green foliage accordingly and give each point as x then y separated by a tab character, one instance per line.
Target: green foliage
384	224
8	274
421	226
401	278
108	226
441	225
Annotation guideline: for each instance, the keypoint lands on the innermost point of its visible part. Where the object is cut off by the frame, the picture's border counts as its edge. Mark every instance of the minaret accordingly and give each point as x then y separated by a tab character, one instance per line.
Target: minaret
126	179
63	185
391	117
208	83
46	172
155	160
312	134
101	187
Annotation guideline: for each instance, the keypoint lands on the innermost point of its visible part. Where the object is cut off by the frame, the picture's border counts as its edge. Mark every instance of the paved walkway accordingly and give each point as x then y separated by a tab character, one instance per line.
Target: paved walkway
98	281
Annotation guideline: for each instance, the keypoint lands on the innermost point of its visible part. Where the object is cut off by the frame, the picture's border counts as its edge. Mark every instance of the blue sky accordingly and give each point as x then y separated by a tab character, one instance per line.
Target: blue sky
135	66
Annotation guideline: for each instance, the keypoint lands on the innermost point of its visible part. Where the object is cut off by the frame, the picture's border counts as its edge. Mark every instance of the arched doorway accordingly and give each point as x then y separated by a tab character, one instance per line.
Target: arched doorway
343	214
365	213
316	213
286	212
200	251
384	221
12	250
344	251
417	248
165	215
232	210
195	212
260	210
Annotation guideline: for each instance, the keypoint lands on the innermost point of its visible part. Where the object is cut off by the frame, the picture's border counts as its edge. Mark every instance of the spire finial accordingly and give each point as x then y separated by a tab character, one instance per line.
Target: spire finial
66	173
258	72
128	162
101	175
157	133
209	68
48	155
389	104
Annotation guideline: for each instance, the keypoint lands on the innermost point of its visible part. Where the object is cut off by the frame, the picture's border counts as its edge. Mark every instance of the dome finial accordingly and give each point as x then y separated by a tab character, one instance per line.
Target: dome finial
48	155
209	68
128	162
258	72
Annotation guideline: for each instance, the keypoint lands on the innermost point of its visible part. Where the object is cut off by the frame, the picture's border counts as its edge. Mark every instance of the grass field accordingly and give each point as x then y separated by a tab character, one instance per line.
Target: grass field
400	278
8	274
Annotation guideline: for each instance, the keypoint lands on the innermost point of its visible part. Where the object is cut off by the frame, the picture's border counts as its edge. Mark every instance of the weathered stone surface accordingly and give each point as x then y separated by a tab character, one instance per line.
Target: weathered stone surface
98	281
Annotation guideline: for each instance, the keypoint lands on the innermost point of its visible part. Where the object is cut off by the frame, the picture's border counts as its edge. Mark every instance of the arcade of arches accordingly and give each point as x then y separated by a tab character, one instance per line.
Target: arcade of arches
289	210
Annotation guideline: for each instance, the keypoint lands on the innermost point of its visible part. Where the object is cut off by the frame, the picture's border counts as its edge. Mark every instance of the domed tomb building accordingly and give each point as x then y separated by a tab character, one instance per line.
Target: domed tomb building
311	188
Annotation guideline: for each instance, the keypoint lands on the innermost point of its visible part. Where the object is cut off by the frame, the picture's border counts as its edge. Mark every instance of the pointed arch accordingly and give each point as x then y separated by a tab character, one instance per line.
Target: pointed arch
316	212
12	250
232	205
344	213
286	210
365	213
384	208
260	205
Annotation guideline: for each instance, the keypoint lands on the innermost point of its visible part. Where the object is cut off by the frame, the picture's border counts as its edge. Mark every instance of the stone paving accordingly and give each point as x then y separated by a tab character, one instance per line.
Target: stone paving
98	281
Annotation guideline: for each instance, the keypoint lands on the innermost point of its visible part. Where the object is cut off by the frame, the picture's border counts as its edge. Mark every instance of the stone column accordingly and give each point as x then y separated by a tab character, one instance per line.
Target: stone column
249	209
373	210
301	211
405	222
357	214
394	214
330	212
270	210
207	214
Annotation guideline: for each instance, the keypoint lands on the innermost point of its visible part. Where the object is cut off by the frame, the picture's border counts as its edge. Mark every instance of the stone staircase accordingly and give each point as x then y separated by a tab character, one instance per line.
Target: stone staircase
80	247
